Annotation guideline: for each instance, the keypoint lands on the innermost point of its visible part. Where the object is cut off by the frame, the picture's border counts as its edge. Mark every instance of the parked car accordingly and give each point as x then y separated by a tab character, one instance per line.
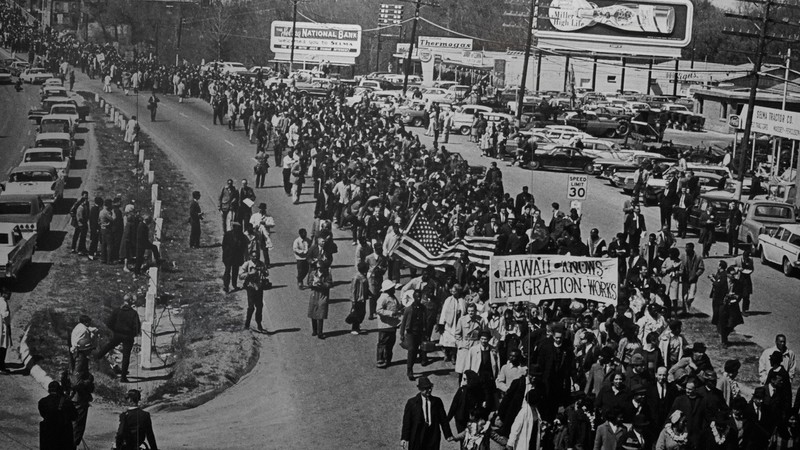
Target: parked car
718	200
597	125
782	246
224	67
462	118
53	91
60	140
562	158
35	75
53	123
607	167
379	85
761	217
47	108
27	211
5	76
17	67
49	156
458	91
16	251
40	180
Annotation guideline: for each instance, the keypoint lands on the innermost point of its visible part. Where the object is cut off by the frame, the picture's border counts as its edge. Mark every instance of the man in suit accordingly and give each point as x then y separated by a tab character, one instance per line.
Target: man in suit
602	372
681	210
638	437
195	216
660	397
522	199
634	227
424	420
693	407
777	400
668	200
492	228
619	249
649	252
135	425
556	358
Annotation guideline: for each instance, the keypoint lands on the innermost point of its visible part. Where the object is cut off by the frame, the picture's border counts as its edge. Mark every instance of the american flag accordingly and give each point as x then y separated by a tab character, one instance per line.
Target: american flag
420	246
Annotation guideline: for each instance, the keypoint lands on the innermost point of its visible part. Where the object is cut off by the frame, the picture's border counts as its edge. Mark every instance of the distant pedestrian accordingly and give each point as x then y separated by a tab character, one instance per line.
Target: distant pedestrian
247	197
135	426
79	219
127	246
389	312
143	244
359	294
71	79
234	252
5	327
105	219
318	301
132	130
261	167
195	217
94	226
228	203
256	278
287	164
57	411
152	105
125	325
82	390
300	249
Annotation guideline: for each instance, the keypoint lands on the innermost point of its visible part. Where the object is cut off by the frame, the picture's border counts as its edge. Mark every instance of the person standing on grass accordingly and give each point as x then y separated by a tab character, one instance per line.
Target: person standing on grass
300	248
234	250
79	218
94	226
127	247
255	276
125	325
5	327
143	244
132	130
83	341
195	216
105	219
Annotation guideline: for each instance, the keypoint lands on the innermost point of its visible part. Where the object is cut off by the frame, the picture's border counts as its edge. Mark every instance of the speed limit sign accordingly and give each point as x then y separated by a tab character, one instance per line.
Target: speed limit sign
576	187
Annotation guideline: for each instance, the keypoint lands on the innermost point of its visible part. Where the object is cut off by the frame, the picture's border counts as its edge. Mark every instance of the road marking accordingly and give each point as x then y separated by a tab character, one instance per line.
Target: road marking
205	127
230	143
184	115
29	132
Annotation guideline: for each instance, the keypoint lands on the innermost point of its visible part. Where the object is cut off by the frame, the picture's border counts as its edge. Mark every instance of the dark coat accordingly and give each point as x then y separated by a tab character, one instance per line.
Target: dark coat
511	404
660	408
707	441
125	321
55	429
419	435
134	427
606	400
556	375
696	412
234	247
142	238
128	245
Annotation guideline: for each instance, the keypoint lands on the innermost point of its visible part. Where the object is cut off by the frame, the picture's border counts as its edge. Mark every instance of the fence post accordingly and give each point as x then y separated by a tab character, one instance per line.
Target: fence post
159	228
97	98
135	148
102	103
154	193
151	177
157	209
146	165
141	156
147	341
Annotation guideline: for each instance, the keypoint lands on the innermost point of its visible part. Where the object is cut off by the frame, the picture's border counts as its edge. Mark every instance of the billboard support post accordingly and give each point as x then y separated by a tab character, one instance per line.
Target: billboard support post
622	78
294	34
525	62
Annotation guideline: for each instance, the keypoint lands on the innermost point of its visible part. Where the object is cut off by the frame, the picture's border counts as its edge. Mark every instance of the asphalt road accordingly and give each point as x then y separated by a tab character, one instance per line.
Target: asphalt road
307	393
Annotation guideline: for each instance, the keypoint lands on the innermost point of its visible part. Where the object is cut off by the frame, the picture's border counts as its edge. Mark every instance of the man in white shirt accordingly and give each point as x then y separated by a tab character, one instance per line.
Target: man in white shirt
300	248
288	162
83	341
789	362
342	193
510	371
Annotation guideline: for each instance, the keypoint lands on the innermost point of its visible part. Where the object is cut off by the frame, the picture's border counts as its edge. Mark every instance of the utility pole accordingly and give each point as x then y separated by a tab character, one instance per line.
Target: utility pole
762	24
294	33
181	22
417	5
529	44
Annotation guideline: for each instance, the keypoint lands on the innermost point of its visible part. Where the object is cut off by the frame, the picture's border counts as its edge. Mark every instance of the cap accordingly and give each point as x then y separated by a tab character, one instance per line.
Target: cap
388	285
424	383
637	359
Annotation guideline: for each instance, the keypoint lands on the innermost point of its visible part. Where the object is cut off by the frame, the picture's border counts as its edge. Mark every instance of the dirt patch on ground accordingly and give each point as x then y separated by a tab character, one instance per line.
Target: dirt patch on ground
211	352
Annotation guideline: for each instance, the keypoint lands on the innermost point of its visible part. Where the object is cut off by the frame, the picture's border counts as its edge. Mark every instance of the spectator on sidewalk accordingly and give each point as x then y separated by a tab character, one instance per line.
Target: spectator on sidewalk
195	217
125	325
57	411
300	248
79	219
234	251
94	227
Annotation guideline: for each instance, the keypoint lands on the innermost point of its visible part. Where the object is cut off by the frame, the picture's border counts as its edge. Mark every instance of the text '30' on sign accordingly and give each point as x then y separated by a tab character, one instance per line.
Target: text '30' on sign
577	186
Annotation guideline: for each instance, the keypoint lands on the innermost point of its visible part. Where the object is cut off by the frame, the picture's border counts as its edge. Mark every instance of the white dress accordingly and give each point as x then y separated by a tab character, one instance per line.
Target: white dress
452	310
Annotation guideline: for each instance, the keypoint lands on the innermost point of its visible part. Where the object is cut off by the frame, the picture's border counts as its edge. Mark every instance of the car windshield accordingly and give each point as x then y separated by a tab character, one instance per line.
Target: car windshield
773	211
54	127
15	208
43	156
794	239
63	110
60	143
22	177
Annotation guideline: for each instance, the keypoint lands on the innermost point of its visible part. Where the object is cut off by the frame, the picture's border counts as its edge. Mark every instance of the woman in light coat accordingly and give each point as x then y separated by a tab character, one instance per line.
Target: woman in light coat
525	424
453	309
5	327
467	333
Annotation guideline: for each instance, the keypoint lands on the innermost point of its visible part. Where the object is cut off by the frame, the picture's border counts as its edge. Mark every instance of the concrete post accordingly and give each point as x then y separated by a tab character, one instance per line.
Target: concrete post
96	98
154	193
141	156
159	228
135	148
146	165
102	103
147	342
157	209
107	109
113	116
122	122
151	177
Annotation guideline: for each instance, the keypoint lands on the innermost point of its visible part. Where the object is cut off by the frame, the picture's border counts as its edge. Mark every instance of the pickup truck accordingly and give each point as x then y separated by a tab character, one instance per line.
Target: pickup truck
41	180
81	110
16	251
597	125
763	217
27	211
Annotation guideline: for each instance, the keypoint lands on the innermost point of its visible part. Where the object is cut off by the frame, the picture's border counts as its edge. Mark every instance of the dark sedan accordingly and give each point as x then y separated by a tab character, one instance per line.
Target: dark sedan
563	158
718	200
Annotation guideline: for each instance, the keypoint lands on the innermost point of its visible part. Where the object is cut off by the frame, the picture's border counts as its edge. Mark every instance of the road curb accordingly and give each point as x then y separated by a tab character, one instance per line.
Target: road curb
29	364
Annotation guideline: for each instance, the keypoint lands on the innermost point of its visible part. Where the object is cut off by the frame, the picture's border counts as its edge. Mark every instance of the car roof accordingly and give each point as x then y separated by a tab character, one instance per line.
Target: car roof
42	136
793	227
43	149
8	198
33	168
756	201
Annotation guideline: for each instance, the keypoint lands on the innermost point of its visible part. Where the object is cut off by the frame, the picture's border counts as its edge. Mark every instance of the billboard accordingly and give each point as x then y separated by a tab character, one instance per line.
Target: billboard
650	27
534	278
444	43
317	39
773	122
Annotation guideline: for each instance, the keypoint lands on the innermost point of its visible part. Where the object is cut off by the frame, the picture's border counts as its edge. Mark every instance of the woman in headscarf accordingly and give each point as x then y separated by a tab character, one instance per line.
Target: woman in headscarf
673	436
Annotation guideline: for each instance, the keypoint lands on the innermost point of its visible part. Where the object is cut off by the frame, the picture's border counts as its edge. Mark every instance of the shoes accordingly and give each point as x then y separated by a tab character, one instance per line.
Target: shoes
125	268
381	365
313	333
261	329
321	336
91	257
372	317
226	289
355	332
123	379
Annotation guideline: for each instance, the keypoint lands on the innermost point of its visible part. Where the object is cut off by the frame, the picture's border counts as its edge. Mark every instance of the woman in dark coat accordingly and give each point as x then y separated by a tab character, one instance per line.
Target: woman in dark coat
729	314
468	396
234	250
320	293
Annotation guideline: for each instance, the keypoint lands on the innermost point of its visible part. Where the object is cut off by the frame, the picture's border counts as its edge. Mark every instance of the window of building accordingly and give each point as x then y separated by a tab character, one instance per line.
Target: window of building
723	110
612	79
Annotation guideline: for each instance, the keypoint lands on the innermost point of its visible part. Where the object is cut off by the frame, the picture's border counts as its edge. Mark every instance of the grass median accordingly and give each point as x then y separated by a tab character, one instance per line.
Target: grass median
210	352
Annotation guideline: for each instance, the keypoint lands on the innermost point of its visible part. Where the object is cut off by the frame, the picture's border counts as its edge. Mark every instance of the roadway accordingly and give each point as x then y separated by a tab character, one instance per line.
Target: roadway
305	392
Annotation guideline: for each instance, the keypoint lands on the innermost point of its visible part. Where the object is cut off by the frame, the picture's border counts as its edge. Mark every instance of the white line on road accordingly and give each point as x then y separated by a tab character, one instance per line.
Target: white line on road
230	143
205	128
184	115
29	132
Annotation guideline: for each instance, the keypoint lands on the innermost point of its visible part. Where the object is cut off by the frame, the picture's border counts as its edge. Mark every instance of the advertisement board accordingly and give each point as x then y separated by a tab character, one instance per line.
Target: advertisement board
444	43
650	27
535	278
773	122
318	39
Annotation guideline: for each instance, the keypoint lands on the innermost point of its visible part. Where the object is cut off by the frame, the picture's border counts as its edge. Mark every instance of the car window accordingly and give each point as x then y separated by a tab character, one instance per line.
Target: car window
794	239
778	234
23	177
4	239
15	208
43	156
560	151
773	212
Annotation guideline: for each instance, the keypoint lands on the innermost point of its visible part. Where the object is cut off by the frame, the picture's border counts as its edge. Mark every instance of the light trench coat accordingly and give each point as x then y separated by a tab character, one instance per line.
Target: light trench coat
452	310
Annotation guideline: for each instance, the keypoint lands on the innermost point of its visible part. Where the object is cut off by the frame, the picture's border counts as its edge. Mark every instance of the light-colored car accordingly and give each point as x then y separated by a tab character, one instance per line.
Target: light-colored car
28	212
35	75
53	91
54	123
16	251
782	246
18	66
49	156
224	67
378	85
60	140
761	217
66	109
41	180
601	148
53	82
435	95
5	75
655	186
458	91
562	134
462	118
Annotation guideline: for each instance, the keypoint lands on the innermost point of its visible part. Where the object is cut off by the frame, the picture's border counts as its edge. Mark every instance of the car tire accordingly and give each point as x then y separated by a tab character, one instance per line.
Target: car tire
609	134
464	130
762	257
788	270
623	129
535	165
588	169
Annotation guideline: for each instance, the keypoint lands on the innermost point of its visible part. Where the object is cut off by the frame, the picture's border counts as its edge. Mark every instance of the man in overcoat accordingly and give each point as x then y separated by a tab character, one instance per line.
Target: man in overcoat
424	420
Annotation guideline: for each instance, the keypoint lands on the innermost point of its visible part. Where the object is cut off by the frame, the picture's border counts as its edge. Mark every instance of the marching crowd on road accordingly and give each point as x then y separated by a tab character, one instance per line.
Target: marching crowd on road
571	374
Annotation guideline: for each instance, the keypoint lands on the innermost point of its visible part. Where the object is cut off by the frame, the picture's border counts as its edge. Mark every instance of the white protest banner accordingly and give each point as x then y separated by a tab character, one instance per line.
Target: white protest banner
535	278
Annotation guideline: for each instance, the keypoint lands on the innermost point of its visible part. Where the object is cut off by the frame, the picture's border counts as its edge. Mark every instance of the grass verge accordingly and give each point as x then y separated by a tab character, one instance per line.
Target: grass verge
210	352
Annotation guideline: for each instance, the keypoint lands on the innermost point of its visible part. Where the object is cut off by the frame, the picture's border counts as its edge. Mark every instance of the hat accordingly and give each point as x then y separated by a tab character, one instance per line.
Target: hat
760	392
675	324
699	347
424	383
388	285
637	359
487	334
607	353
732	365
262	206
639	389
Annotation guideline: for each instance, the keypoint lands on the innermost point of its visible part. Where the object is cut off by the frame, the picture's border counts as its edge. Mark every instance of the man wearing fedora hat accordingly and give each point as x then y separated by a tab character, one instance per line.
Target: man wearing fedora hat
389	312
424	420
